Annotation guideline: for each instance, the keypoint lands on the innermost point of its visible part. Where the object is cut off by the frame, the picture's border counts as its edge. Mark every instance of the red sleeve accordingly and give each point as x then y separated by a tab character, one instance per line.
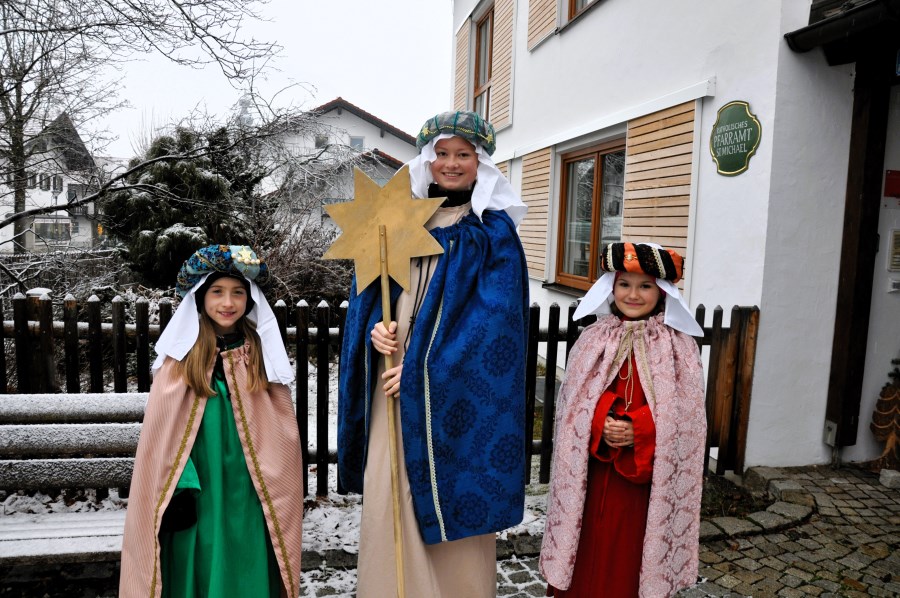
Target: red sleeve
636	464
599	449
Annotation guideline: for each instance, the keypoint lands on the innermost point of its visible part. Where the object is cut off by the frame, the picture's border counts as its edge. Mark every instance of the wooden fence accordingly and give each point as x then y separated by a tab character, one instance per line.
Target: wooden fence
46	351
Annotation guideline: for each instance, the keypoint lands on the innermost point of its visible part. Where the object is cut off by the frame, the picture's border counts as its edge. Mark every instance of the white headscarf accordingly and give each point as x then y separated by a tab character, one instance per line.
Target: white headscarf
492	191
184	328
599	299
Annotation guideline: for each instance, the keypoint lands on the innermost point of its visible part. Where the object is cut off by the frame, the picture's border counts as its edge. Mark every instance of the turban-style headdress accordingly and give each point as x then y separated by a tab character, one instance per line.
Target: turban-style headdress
642	258
468	125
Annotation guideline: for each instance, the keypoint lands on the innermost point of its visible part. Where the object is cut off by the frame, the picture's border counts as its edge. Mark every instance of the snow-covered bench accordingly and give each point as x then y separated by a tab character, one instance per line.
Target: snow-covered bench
66	441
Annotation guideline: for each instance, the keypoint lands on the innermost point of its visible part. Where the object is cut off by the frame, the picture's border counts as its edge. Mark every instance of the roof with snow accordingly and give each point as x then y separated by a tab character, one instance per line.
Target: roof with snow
61	136
340	103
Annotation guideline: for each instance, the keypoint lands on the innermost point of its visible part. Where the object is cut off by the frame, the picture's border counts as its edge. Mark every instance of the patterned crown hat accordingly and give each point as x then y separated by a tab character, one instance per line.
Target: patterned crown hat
462	123
642	258
237	260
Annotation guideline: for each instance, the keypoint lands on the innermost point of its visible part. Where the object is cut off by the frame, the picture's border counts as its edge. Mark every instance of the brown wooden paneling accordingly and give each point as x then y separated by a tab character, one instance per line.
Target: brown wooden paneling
501	71
533	228
541	20
666	152
461	75
685	138
659	154
662	114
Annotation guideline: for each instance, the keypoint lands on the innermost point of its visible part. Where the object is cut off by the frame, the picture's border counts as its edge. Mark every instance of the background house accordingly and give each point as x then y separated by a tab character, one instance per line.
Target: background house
606	115
322	158
60	170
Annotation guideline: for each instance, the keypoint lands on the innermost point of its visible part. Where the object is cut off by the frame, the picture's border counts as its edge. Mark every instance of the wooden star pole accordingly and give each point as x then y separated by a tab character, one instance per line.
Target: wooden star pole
391	219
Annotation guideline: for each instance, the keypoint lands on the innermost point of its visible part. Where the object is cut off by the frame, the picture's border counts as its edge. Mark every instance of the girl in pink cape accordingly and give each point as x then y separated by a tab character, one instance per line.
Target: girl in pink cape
623	510
216	503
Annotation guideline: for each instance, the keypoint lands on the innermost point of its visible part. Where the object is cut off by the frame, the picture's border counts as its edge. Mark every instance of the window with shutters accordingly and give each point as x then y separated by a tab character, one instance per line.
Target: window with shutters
591	197
576	7
484	43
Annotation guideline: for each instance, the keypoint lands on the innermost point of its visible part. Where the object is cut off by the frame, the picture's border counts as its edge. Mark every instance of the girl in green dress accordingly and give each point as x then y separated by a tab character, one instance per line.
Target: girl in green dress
216	499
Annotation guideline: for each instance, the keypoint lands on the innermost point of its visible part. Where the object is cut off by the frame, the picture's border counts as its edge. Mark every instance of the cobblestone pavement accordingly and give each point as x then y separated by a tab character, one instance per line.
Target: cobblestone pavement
830	533
849	546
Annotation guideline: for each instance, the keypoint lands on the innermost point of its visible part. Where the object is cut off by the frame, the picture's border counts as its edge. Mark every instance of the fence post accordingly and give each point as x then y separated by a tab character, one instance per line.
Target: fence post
165	314
571	329
95	343
549	393
747	360
534	326
341	318
281	315
142	327
323	319
48	349
302	396
700	317
120	373
23	343
3	382
716	345
70	343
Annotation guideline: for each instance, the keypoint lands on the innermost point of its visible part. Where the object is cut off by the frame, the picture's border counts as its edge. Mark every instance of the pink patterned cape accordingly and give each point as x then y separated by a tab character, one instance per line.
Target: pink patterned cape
671	375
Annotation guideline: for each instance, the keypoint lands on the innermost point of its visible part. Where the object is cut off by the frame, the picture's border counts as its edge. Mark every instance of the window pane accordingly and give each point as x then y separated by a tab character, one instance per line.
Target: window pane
612	189
481	105
484	52
577	231
579	4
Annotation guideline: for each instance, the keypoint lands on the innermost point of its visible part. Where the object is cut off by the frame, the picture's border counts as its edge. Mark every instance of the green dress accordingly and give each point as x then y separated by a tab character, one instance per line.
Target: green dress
227	552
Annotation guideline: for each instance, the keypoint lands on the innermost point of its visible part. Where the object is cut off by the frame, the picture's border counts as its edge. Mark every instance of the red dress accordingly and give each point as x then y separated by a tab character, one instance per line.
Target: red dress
608	561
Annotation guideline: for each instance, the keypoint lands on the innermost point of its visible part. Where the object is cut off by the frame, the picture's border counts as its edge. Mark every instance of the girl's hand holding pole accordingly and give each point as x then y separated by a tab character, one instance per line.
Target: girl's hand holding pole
385	340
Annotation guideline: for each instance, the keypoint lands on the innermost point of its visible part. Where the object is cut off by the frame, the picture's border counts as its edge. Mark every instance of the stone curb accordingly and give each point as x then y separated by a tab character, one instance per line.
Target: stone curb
793	506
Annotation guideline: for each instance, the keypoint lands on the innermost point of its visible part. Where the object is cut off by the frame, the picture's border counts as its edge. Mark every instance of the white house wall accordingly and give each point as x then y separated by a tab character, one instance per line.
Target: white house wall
803	249
617	69
352	125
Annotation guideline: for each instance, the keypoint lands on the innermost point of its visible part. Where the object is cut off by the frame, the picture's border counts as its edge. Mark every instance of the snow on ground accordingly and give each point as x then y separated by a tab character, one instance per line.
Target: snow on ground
329	523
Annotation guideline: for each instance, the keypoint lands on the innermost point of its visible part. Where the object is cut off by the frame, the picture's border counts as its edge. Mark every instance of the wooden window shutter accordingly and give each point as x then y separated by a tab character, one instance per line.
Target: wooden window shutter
541	20
461	80
536	195
504	168
658	154
501	69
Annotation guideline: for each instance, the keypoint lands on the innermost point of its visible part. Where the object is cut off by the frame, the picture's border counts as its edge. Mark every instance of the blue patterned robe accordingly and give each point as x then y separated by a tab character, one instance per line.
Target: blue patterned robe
462	393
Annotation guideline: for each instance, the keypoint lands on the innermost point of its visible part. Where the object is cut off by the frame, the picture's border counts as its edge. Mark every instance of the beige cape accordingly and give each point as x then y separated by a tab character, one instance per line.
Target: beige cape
267	428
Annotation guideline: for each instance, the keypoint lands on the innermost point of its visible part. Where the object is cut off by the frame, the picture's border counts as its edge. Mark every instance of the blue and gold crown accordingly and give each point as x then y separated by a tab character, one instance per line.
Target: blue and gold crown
236	260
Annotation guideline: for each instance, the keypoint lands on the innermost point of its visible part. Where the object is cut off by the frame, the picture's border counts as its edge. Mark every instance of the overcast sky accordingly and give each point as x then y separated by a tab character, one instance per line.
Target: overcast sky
390	58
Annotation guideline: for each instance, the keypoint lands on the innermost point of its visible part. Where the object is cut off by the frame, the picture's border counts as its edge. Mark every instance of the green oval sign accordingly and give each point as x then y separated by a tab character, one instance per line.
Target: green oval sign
735	137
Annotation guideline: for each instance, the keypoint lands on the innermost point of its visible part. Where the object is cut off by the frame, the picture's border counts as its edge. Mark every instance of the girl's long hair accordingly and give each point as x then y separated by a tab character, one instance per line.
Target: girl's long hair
201	358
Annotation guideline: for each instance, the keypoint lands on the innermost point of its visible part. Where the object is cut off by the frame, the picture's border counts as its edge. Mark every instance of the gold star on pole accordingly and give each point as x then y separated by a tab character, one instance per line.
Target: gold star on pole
403	217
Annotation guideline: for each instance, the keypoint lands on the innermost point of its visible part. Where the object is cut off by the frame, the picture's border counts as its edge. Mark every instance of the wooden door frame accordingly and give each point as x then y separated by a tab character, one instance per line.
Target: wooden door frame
859	246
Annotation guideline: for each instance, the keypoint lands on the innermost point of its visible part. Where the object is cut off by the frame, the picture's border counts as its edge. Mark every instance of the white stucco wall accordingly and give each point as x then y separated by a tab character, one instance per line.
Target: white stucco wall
803	248
884	320
351	125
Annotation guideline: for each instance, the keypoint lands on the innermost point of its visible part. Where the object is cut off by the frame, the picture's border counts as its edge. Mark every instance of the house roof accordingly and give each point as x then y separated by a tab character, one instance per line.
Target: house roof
340	103
384	157
61	135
